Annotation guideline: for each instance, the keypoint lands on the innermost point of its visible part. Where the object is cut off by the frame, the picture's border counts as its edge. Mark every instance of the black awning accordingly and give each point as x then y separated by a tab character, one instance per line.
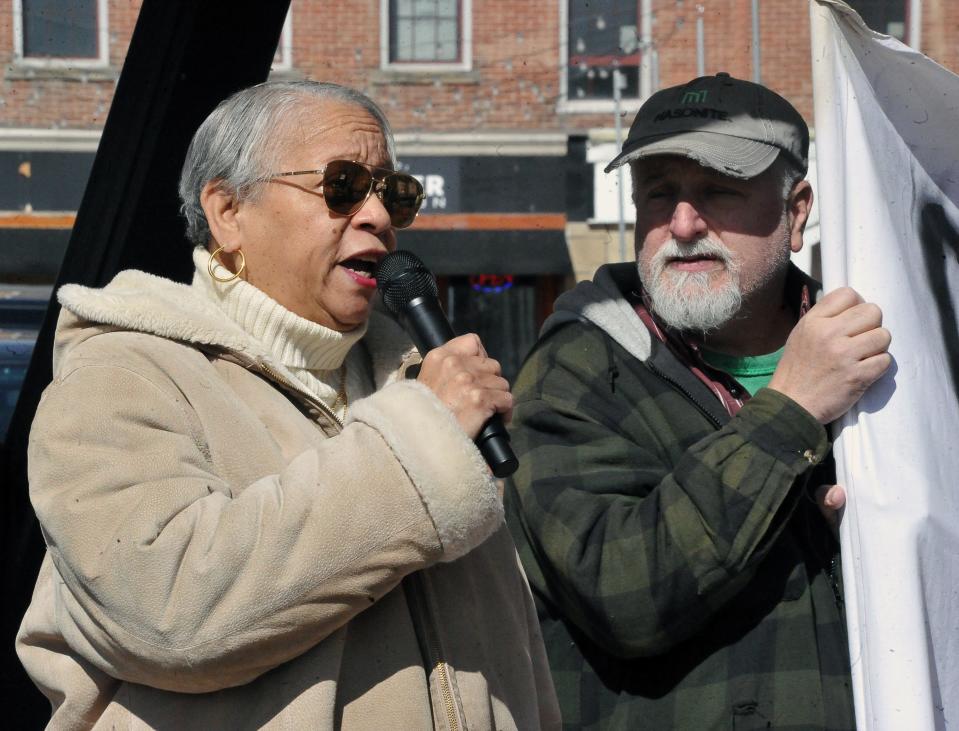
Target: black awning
32	254
489	252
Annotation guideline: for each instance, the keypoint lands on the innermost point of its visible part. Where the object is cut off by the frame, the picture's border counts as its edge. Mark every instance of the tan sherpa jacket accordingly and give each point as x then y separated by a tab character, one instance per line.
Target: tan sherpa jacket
223	555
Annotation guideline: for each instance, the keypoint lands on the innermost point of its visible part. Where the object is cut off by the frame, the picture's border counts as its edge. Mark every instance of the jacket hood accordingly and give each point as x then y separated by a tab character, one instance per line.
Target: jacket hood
146	303
603	303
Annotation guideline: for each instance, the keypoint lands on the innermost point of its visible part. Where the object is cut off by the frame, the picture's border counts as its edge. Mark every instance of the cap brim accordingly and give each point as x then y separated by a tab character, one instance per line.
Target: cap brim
732	156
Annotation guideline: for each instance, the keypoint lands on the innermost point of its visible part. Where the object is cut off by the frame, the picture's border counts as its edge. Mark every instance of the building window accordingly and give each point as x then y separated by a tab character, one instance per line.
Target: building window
884	16
426	34
60	32
424	30
602	35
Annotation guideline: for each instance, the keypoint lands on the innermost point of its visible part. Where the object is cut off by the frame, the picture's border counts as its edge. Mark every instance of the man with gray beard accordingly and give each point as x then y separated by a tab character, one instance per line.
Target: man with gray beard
674	501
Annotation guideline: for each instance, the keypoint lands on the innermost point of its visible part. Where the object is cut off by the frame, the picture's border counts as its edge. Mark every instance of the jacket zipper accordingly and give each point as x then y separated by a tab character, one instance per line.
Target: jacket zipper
435	656
442	672
416	596
679	387
291	387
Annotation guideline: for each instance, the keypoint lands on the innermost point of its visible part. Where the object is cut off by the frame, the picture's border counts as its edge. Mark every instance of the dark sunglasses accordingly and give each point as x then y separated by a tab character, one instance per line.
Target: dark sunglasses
347	185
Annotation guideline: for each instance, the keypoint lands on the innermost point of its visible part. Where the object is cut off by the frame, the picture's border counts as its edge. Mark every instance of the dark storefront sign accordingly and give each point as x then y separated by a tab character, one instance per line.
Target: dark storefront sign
490	214
490	183
440	177
43	180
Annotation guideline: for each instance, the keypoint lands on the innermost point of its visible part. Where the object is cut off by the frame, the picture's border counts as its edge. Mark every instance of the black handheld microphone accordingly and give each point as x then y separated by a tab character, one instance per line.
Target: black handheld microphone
409	291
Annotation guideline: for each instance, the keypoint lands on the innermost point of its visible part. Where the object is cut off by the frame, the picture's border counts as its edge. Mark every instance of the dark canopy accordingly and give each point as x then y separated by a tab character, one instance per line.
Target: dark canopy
185	57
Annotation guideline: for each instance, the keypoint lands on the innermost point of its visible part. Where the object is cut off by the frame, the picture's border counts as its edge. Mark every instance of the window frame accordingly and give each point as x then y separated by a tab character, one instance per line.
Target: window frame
101	60
908	8
465	62
587	106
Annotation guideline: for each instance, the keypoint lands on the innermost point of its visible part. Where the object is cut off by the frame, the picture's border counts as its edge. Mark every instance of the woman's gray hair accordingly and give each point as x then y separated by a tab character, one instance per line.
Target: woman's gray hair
242	138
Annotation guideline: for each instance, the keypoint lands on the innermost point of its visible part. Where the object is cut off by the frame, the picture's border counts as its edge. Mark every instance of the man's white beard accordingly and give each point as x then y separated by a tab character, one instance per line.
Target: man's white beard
685	300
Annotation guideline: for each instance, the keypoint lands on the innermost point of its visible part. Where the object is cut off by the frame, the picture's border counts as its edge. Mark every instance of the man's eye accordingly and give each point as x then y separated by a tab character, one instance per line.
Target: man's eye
724	192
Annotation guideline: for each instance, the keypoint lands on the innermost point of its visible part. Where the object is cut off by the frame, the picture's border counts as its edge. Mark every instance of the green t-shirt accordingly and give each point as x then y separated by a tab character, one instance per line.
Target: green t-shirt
752	371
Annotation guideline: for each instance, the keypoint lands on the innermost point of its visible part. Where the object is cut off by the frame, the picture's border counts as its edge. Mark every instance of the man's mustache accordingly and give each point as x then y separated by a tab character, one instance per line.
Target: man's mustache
706	247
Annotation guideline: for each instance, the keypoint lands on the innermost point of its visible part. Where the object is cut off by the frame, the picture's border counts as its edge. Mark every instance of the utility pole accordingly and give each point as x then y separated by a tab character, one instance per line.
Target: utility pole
757	73
914	13
646	49
700	42
619	82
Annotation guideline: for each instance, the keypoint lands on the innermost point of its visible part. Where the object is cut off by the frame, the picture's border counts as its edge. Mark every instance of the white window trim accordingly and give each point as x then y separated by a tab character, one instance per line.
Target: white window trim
102	59
565	105
30	139
286	44
600	149
479	144
466	44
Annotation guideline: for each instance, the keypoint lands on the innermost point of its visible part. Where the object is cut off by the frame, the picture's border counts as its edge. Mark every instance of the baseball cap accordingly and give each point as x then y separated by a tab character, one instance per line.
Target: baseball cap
733	126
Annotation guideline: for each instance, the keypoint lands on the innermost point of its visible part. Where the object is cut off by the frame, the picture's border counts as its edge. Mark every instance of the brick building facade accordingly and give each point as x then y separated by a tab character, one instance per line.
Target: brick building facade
504	108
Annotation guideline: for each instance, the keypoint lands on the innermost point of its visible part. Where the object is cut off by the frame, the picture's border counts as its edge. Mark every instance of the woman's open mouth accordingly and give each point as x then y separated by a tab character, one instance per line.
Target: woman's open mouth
361	270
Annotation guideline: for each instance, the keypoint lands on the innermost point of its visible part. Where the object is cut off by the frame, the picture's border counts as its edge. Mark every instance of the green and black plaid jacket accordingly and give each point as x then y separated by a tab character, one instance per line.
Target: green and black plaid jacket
684	578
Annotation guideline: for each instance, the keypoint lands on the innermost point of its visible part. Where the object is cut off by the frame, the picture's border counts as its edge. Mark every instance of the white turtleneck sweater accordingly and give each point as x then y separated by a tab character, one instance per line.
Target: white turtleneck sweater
313	353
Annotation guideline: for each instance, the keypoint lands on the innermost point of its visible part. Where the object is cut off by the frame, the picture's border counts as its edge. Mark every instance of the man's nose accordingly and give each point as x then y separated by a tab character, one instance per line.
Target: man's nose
687	224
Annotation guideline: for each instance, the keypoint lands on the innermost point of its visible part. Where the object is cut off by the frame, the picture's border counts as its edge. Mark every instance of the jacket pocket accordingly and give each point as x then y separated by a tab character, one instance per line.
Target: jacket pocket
747	717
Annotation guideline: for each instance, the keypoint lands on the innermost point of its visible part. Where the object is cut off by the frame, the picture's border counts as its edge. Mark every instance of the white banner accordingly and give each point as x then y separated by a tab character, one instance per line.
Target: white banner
887	136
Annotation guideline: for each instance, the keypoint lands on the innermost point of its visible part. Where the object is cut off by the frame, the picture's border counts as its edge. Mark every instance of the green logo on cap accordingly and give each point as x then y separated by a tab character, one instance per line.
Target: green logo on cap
695	97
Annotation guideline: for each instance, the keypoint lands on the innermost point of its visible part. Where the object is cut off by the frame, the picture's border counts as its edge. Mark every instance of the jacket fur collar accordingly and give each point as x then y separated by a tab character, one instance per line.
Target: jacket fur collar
136	300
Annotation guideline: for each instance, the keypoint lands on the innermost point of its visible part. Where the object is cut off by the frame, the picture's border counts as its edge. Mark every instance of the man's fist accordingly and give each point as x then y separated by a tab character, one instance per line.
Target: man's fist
833	355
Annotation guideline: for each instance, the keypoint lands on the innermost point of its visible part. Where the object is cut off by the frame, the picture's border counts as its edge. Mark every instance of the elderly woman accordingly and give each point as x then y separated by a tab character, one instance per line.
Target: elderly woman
253	518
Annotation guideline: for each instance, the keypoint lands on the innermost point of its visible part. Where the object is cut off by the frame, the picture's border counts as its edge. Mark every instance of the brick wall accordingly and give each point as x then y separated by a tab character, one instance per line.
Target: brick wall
514	83
940	32
784	44
42	99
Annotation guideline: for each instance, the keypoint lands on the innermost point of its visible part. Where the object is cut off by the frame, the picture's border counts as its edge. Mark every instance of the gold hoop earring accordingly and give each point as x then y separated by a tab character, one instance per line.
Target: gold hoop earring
222	280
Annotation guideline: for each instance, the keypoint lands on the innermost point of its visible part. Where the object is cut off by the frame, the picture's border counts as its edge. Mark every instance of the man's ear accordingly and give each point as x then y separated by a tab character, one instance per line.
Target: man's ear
220	206
798	206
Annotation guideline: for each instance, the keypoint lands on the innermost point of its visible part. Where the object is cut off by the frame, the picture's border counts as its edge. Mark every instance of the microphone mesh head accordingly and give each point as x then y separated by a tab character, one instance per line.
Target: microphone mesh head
401	278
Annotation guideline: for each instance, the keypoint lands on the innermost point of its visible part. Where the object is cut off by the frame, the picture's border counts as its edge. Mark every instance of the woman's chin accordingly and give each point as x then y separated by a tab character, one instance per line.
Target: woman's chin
347	321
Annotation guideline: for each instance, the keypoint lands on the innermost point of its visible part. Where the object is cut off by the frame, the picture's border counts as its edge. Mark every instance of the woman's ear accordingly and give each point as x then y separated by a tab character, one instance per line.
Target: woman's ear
220	206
